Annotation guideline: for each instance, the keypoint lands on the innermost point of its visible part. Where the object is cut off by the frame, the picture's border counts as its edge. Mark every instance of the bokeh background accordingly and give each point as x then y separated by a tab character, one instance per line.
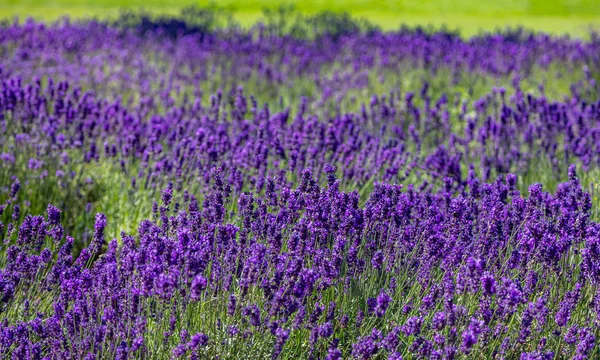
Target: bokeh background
572	17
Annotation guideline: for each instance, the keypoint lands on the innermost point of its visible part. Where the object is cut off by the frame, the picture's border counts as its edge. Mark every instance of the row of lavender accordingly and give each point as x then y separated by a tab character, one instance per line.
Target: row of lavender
308	272
282	233
115	63
390	139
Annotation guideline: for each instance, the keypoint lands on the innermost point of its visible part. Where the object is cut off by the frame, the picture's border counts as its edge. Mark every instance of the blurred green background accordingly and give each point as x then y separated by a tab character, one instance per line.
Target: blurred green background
573	17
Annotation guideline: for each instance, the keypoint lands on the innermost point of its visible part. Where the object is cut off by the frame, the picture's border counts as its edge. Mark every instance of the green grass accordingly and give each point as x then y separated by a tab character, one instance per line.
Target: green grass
470	17
475	7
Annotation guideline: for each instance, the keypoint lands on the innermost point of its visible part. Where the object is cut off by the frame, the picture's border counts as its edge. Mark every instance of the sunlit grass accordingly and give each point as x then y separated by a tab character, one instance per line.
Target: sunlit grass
468	17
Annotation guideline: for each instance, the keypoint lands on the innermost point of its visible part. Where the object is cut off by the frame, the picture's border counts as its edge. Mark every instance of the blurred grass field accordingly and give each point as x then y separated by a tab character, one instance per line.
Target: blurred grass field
573	17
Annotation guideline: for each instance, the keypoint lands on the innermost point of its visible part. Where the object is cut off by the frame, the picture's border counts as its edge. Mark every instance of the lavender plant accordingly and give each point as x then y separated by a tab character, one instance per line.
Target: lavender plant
350	194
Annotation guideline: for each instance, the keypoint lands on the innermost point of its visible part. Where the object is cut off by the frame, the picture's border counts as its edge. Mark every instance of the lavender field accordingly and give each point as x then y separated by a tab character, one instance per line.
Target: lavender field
314	188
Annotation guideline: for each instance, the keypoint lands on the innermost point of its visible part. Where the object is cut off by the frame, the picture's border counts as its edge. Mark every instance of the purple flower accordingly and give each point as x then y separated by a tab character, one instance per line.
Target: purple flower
53	214
326	330
334	354
198	286
231	305
197	340
377	260
471	334
14	189
383	301
412	326
281	337
567	305
488	284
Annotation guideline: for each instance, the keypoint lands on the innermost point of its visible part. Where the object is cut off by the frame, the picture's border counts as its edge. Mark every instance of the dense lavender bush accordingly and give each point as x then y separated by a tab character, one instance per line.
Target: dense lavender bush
310	272
180	189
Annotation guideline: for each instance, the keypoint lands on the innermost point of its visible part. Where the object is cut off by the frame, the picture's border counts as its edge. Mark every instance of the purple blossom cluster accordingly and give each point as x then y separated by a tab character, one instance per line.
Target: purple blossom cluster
475	273
392	139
